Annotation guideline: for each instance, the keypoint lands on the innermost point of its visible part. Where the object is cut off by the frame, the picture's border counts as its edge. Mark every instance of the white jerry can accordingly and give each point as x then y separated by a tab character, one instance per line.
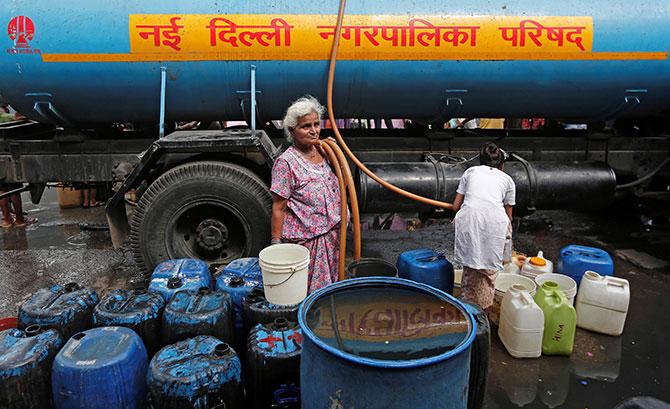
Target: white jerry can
521	324
602	303
537	265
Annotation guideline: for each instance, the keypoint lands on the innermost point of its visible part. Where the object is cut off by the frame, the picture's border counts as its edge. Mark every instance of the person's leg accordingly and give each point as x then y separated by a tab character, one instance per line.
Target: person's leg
21	220
93	201
7	220
87	200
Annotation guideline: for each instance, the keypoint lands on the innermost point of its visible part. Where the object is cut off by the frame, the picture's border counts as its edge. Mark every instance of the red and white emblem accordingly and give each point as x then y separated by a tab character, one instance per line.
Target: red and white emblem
21	30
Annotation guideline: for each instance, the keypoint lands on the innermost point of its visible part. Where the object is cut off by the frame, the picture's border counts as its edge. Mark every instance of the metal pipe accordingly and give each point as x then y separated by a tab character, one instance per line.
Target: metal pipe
161	129
555	185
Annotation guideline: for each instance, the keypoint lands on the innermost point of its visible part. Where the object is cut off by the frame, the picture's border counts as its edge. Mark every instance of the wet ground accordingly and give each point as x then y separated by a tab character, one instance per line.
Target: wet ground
72	245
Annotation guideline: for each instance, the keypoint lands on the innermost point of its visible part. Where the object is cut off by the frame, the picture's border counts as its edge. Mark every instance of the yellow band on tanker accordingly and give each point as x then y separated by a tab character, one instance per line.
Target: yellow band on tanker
308	37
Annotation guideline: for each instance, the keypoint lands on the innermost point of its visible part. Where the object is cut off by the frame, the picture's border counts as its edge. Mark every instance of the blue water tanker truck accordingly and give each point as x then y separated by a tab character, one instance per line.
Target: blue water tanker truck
105	85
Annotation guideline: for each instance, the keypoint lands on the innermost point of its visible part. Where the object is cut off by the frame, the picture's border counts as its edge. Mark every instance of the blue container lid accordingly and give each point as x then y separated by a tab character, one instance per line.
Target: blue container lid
99	348
387	322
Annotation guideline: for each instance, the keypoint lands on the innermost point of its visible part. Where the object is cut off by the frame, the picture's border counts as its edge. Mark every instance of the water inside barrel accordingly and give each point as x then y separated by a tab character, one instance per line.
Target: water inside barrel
388	323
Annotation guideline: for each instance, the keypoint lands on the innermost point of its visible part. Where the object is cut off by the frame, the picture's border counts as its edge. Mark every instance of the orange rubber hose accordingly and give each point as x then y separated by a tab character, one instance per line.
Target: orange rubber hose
353	196
340	139
343	208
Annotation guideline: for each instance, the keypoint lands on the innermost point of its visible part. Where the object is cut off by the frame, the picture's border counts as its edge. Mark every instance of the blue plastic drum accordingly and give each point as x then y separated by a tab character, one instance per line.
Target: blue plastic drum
380	343
102	368
201	372
136	309
184	274
575	260
25	366
66	308
428	267
202	312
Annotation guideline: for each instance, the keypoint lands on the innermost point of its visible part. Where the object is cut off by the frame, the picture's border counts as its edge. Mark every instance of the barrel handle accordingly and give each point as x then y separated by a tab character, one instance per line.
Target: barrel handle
289	277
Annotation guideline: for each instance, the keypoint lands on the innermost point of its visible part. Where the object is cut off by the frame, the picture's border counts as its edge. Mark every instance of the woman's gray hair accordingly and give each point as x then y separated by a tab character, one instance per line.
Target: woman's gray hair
303	106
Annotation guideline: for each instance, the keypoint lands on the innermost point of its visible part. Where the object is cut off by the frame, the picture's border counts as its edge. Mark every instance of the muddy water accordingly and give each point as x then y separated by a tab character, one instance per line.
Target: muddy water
64	246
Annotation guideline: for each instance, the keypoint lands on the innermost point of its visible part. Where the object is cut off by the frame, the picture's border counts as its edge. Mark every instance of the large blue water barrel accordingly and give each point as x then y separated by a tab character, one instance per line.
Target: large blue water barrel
202	312
201	372
256	309
575	260
136	309
428	267
67	309
102	368
183	274
25	367
380	343
273	356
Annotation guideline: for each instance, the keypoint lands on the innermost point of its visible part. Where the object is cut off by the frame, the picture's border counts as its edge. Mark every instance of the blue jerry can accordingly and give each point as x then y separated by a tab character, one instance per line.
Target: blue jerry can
67	309
136	309
575	260
25	367
428	267
183	274
202	312
102	368
238	279
273	357
201	372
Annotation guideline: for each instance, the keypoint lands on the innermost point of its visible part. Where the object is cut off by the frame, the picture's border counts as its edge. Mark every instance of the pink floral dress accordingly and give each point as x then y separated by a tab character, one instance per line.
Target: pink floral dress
313	212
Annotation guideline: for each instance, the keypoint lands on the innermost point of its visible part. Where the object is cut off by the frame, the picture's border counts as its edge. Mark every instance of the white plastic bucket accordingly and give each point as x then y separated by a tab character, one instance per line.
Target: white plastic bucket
285	273
567	284
503	283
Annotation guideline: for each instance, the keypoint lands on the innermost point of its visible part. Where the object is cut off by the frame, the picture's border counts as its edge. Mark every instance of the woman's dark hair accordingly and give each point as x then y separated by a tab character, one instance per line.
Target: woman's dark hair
491	155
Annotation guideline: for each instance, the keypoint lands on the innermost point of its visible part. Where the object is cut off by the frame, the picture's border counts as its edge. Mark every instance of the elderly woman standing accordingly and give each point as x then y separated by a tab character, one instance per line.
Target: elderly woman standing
306	194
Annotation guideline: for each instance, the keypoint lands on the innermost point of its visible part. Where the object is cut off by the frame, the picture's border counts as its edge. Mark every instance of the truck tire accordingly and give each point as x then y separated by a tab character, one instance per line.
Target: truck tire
214	211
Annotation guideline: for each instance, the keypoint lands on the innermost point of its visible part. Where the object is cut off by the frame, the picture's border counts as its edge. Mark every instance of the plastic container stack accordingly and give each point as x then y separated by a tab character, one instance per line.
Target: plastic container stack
502	284
566	284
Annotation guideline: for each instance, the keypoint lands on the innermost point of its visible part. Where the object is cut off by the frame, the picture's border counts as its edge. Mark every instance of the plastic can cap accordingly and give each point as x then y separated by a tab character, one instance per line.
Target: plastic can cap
537	261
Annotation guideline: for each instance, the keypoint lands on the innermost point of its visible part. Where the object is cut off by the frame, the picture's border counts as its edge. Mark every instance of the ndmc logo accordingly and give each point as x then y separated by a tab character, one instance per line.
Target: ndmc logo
21	31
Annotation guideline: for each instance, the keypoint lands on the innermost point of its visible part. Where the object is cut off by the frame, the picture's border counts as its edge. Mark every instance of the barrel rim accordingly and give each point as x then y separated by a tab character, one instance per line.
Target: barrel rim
403	364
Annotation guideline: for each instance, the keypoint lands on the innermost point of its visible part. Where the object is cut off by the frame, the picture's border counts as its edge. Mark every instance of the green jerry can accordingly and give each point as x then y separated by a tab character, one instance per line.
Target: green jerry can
560	319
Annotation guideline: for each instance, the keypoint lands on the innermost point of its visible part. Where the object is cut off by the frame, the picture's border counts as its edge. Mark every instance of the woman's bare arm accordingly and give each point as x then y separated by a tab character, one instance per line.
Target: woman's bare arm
508	210
458	202
278	213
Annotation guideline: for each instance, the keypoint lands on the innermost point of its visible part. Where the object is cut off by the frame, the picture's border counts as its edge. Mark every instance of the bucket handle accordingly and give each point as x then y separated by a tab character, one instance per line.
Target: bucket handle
293	271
